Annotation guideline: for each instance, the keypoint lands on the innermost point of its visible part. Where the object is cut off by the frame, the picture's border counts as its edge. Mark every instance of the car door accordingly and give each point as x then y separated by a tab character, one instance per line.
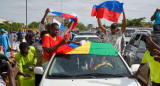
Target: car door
131	49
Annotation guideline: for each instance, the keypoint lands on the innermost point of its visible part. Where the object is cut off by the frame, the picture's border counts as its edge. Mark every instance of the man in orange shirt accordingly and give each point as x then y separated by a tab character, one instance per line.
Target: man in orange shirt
53	43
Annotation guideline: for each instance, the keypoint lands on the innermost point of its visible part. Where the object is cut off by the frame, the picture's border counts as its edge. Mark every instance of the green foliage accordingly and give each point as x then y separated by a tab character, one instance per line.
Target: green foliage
66	22
137	22
81	26
7	26
16	26
4	26
33	25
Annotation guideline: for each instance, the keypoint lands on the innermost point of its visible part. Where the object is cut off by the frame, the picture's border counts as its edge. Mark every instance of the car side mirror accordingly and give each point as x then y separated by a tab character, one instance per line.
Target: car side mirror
134	67
38	70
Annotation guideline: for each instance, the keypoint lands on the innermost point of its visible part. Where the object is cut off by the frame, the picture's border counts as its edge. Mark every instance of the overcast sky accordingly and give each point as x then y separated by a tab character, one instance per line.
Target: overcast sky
15	10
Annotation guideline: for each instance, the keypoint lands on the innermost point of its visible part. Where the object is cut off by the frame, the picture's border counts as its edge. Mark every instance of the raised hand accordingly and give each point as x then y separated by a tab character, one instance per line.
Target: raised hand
12	71
157	56
64	41
47	11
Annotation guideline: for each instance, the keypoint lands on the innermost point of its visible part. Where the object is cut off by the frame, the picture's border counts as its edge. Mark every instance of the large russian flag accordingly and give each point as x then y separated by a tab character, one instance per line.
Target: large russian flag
67	16
110	10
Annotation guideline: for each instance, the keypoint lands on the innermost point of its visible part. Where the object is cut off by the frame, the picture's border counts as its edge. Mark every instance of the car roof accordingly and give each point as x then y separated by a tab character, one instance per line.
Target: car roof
79	36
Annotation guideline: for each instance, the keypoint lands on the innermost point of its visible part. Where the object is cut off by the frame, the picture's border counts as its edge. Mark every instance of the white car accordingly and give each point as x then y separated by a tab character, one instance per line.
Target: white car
128	33
87	69
94	38
2	83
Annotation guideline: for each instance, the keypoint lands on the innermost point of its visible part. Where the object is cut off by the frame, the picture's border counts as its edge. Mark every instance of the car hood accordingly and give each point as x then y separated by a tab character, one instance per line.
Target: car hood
90	82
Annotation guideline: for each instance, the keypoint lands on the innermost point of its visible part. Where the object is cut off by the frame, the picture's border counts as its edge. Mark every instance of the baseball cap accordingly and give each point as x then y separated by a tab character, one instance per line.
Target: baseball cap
2	29
114	25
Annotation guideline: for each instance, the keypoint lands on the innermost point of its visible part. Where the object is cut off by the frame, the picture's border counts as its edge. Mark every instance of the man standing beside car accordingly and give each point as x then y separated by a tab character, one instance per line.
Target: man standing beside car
114	35
150	56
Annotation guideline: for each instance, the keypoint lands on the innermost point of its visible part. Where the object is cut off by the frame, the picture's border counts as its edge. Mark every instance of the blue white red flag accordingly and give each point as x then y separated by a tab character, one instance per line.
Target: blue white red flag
110	10
67	16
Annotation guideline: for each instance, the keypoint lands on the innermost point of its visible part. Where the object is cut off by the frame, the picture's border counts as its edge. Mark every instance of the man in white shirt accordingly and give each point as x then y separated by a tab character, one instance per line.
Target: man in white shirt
11	36
16	45
114	35
42	28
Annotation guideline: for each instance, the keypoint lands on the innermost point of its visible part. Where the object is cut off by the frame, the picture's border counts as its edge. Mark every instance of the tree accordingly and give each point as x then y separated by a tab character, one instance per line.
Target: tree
6	22
16	26
81	26
6	27
137	22
33	25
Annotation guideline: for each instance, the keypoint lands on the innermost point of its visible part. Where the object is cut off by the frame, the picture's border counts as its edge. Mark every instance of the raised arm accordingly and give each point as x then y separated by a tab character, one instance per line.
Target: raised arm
124	22
70	24
101	26
151	42
154	15
46	13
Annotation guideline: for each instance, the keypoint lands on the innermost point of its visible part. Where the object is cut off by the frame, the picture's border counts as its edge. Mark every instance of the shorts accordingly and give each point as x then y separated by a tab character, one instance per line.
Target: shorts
155	84
156	27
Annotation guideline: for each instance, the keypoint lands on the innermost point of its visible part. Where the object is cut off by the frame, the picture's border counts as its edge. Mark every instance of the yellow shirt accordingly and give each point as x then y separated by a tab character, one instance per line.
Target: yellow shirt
153	65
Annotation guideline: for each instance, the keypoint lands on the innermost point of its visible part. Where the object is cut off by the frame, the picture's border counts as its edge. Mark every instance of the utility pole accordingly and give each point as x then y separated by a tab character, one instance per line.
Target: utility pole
26	17
61	5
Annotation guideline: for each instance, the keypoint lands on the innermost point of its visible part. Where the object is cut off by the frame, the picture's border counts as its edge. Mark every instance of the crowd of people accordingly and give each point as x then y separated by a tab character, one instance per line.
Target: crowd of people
38	49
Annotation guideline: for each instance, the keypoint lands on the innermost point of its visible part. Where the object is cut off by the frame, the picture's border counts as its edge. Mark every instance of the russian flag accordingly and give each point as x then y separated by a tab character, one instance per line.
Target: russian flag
110	10
60	24
67	16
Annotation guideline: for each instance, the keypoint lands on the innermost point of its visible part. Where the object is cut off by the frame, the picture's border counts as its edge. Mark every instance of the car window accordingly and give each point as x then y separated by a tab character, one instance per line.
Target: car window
142	44
128	33
87	33
74	65
94	39
135	40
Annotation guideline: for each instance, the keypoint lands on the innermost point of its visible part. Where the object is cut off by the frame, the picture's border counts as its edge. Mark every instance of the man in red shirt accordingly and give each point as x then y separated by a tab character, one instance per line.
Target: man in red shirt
52	43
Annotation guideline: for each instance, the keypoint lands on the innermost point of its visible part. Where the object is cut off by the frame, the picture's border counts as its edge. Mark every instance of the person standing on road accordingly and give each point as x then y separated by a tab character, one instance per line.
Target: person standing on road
39	51
27	59
156	17
114	35
11	36
31	40
19	34
28	35
4	41
16	46
152	56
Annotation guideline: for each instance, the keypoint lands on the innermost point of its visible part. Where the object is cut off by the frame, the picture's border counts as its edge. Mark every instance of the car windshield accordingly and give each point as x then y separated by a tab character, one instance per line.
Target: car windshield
94	39
87	66
128	33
